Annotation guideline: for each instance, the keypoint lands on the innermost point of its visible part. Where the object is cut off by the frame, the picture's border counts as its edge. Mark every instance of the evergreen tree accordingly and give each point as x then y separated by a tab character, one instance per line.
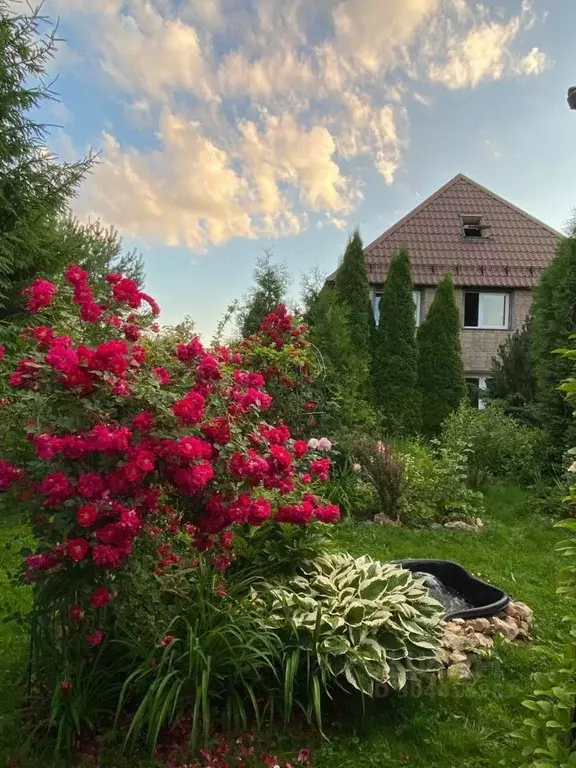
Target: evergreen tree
440	370
353	291
34	185
395	362
554	320
345	370
271	282
512	381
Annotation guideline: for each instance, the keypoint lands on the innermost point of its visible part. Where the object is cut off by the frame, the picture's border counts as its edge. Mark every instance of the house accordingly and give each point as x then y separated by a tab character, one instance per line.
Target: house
494	251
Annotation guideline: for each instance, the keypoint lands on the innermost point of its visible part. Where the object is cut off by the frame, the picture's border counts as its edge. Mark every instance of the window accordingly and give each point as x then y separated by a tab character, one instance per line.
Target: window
472	226
416	296
486	310
476	386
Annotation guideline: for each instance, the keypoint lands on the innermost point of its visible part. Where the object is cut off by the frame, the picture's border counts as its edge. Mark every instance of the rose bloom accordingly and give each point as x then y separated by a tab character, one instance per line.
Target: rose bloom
313	444
95	638
324	444
356	468
167	640
100	597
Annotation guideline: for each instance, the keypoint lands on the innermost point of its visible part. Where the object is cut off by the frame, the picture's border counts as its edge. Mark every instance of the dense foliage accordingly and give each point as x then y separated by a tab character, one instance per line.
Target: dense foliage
355	621
34	185
554	319
134	457
395	356
500	447
353	291
440	368
512	382
344	371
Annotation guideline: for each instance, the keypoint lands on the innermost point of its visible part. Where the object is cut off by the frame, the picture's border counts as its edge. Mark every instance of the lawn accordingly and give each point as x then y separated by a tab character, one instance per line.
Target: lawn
454	724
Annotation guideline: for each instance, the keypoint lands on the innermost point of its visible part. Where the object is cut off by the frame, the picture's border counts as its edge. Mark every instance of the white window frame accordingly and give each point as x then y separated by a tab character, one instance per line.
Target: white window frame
481	325
416	297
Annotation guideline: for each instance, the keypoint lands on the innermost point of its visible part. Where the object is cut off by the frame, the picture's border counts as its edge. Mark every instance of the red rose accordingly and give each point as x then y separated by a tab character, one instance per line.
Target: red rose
77	548
65	686
166	641
95	638
76	612
100	597
87	515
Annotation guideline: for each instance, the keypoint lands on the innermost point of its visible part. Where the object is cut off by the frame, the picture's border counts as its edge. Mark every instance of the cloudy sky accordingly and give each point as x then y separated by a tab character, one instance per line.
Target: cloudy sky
229	126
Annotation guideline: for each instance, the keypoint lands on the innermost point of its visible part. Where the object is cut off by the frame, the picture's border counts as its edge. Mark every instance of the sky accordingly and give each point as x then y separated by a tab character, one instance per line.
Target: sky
226	127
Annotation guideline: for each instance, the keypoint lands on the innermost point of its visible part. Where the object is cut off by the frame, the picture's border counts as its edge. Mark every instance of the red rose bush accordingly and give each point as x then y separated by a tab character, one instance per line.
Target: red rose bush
132	447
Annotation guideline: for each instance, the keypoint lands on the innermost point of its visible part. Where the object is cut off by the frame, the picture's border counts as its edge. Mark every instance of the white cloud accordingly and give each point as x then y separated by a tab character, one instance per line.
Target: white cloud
263	114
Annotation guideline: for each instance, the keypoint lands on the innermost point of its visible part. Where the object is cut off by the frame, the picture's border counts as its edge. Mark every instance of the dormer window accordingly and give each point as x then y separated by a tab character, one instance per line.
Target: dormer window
472	227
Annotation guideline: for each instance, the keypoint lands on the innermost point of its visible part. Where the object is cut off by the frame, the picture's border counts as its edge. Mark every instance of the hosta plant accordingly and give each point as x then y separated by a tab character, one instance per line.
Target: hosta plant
356	621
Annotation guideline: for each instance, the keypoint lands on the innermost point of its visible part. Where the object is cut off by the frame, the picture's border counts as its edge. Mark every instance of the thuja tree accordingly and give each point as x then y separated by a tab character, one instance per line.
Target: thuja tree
34	185
395	362
440	369
343	370
512	382
137	460
554	318
353	291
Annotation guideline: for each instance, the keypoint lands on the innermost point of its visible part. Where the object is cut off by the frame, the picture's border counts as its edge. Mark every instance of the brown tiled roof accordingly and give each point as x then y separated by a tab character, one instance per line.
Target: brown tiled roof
512	254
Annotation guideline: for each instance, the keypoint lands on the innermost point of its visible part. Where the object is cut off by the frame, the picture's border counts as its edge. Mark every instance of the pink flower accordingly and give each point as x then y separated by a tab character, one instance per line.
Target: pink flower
167	640
324	444
39	294
143	421
2	352
189	410
327	514
77	548
100	597
300	448
303	756
107	556
95	638
91	485
8	475
76	612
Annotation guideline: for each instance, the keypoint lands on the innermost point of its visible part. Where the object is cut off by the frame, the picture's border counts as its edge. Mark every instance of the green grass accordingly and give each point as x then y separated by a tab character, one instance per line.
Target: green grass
452	725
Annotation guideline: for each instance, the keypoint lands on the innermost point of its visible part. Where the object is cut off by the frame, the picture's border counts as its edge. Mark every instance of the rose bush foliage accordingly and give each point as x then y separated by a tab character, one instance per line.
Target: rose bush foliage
130	446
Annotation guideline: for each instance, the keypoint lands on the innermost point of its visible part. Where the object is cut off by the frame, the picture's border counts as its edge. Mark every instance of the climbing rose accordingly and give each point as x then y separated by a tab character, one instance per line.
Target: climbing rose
76	612
77	548
2	353
86	515
39	294
167	640
95	638
100	597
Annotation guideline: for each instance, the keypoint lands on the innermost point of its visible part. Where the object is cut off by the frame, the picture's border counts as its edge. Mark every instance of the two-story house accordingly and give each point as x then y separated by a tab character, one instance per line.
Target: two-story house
494	251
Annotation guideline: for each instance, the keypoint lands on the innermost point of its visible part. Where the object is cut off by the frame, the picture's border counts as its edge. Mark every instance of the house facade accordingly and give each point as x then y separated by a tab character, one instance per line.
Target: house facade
494	252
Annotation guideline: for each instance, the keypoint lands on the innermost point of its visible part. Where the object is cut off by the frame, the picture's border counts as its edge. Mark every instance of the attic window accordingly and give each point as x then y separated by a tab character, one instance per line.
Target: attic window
472	226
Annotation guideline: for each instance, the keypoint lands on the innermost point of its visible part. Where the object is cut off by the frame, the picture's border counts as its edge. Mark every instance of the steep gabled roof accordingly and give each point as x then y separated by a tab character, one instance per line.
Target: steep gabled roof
512	254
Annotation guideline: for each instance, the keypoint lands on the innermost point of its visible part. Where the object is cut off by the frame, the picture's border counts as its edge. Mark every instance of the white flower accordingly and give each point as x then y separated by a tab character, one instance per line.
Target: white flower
572	467
324	444
356	468
313	444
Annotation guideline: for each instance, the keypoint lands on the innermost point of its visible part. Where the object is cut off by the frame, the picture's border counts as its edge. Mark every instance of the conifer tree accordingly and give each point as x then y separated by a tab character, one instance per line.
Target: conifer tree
440	369
553	322
270	284
353	291
512	382
35	186
395	363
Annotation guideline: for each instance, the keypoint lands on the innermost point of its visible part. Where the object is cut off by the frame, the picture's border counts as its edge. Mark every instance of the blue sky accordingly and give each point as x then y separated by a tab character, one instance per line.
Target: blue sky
230	126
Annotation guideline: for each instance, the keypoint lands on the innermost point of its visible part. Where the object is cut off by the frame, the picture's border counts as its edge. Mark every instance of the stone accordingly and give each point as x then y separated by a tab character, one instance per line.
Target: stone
479	522
479	625
457	658
508	630
382	519
523	612
445	656
460	525
459	672
452	626
479	640
453	642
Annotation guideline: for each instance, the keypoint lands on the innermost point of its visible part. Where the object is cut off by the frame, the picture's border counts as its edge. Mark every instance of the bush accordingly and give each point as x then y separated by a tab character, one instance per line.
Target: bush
501	448
122	438
435	483
383	470
356	622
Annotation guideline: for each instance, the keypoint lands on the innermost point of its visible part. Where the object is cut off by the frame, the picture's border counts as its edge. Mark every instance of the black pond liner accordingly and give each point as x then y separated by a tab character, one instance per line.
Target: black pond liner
484	599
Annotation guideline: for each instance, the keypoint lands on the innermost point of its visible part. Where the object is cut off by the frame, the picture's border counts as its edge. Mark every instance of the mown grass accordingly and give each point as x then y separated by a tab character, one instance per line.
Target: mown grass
451	725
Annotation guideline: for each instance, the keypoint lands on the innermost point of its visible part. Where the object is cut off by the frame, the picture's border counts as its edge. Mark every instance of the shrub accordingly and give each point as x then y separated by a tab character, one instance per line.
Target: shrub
123	440
500	446
395	359
435	486
354	621
383	471
353	290
440	369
